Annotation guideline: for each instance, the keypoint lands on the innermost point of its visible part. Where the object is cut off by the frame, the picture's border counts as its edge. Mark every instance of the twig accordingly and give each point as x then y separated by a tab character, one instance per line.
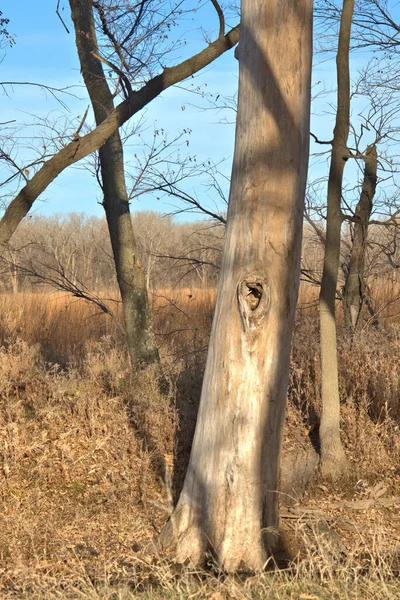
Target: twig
330	142
109	34
220	17
76	134
392	220
60	17
121	74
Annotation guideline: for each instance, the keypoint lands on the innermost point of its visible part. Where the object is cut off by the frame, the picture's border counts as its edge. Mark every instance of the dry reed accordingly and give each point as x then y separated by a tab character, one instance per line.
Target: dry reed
92	456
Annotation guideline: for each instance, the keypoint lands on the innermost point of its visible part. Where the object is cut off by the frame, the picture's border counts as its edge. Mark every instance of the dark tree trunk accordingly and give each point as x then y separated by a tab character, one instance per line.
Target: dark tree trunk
130	274
333	459
354	289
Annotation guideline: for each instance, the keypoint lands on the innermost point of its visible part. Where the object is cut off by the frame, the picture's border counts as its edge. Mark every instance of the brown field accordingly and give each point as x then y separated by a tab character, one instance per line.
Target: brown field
92	457
63	326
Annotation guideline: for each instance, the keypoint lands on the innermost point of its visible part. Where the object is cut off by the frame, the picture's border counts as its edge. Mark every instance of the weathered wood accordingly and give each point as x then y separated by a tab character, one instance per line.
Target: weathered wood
364	504
297	470
367	503
229	502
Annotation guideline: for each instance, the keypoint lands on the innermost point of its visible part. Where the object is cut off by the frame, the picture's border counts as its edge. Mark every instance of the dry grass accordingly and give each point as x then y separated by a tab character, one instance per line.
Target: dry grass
60	324
91	458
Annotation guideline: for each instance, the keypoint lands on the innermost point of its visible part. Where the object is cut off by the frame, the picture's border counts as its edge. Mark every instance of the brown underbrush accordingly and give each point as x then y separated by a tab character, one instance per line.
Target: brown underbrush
92	458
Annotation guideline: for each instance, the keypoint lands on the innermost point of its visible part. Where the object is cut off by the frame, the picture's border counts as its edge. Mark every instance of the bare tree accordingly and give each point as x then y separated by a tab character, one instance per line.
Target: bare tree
82	145
378	160
229	503
130	274
333	459
354	289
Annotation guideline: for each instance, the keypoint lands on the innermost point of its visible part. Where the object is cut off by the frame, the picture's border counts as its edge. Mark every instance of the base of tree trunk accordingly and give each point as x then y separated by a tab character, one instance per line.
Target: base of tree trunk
245	547
297	470
238	551
333	464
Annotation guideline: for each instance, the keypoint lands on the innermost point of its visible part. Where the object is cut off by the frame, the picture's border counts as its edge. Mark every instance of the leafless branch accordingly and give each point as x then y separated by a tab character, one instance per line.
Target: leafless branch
318	141
60	17
126	84
81	124
111	37
221	17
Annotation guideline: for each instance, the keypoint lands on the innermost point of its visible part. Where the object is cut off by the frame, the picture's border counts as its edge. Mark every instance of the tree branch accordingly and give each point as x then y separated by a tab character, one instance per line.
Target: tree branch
78	149
111	37
329	143
127	88
60	17
221	17
392	220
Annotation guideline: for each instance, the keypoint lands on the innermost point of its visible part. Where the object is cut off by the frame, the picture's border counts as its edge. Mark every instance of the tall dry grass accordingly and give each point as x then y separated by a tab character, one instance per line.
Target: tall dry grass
86	483
92	457
63	326
60	324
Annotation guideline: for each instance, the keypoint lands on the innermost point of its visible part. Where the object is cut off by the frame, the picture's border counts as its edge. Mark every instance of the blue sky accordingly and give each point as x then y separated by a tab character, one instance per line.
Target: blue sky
45	53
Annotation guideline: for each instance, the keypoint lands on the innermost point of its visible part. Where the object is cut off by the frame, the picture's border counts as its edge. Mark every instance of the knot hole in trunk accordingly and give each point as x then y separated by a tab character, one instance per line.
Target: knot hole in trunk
254	300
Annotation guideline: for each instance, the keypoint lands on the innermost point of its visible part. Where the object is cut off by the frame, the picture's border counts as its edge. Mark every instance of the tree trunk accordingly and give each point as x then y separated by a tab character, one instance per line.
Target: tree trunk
130	274
229	502
13	270
333	459
148	272
14	279
354	289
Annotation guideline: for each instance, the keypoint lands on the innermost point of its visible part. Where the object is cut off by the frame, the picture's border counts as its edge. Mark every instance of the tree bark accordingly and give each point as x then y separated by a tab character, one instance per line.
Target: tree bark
80	147
333	459
140	336
354	289
229	502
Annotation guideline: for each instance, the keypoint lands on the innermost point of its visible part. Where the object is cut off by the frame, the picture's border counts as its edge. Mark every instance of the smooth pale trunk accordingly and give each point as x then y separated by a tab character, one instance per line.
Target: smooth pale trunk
229	502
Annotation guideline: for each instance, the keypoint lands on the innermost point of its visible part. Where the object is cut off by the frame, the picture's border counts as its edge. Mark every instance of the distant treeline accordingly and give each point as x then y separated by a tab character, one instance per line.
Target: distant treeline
75	248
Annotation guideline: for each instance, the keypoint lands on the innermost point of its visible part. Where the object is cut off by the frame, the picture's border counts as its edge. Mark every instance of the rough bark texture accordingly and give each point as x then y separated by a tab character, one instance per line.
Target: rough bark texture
297	470
354	289
229	502
333	459
130	274
82	146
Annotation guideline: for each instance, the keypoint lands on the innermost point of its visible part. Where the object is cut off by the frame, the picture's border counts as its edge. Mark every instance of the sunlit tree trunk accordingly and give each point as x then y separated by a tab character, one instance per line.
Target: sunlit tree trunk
229	502
333	459
13	270
354	289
